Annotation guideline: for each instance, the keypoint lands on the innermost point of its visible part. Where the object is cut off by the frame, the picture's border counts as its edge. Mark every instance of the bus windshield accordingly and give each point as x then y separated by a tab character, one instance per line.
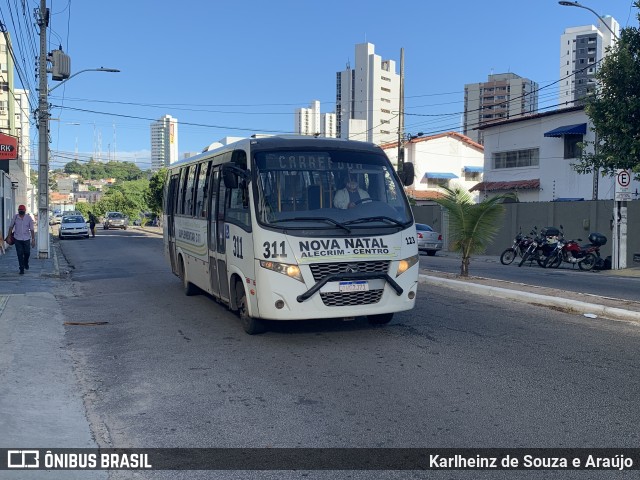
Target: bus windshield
336	189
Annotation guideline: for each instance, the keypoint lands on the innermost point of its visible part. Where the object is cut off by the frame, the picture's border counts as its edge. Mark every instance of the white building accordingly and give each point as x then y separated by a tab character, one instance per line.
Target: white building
502	96
581	49
309	121
368	98
14	120
448	159
164	142
533	157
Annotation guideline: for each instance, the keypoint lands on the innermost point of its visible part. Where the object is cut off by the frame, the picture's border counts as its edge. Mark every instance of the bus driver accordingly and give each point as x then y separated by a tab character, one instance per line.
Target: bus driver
351	195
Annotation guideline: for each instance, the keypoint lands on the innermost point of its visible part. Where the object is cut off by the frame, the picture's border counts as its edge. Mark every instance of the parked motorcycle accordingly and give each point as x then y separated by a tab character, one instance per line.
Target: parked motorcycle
541	246
585	256
520	244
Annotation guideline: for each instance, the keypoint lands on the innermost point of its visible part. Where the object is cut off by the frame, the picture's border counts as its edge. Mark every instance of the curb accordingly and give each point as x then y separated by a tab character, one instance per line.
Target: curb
533	298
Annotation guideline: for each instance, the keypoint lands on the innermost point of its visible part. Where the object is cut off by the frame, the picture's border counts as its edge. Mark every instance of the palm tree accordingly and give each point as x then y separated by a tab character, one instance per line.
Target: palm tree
472	226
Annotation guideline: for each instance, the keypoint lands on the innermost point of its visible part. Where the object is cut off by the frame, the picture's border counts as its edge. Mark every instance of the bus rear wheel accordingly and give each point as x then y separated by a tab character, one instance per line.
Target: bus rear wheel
381	319
251	325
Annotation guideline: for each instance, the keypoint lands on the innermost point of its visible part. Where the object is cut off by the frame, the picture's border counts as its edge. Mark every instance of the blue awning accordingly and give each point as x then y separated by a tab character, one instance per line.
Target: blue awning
578	129
473	169
440	175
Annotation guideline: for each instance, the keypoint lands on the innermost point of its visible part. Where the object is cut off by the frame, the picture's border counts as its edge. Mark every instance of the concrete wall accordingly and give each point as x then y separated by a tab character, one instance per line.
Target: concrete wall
577	218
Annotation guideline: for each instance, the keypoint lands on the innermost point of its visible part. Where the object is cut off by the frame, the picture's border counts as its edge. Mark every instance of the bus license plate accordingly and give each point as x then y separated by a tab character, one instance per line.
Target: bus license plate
357	286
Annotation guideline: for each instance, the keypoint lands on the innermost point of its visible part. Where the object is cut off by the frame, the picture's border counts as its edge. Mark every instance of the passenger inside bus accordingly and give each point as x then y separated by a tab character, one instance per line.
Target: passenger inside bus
351	195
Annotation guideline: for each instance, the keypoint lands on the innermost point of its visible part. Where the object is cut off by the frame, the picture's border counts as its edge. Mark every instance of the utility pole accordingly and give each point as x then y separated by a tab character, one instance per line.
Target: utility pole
43	137
401	115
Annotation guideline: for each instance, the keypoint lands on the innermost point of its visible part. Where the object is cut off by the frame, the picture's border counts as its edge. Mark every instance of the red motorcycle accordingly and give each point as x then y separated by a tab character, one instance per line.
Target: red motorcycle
585	256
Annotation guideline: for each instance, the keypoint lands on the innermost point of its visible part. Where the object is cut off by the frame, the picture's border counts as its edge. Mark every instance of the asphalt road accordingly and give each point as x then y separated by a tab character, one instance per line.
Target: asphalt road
166	370
605	282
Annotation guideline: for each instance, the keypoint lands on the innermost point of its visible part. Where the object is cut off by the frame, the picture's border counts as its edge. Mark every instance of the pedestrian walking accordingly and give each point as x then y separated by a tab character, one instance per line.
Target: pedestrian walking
24	236
92	224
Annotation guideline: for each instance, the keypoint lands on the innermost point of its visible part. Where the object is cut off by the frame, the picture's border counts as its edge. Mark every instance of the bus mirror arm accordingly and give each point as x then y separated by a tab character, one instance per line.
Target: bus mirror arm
349	276
230	174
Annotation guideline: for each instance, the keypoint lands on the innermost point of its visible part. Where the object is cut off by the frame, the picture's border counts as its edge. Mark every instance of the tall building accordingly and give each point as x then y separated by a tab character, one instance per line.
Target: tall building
581	50
502	96
15	113
368	98
164	142
309	121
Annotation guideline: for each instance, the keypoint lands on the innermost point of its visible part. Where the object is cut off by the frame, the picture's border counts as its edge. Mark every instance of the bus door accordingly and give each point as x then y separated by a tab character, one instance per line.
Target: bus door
214	226
170	209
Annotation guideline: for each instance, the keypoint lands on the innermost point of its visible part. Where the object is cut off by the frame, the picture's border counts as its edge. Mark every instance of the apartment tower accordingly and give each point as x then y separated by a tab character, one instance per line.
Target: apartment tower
581	50
502	96
367	98
164	142
309	121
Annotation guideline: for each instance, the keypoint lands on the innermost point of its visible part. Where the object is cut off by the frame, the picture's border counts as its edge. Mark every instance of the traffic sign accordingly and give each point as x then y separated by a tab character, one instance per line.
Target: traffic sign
623	185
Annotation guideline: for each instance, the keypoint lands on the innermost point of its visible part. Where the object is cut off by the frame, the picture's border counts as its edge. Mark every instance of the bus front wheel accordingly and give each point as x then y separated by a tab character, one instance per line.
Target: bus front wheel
251	325
381	319
189	288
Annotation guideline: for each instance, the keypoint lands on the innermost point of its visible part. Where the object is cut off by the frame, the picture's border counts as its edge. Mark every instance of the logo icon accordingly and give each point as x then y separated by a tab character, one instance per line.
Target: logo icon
23	458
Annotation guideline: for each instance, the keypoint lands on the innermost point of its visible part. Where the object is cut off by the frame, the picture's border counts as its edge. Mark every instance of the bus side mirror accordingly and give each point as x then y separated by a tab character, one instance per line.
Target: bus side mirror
230	178
407	174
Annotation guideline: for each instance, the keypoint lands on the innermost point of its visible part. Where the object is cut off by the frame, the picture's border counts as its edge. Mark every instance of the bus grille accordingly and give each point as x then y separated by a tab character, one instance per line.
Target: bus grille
337	299
340	299
321	270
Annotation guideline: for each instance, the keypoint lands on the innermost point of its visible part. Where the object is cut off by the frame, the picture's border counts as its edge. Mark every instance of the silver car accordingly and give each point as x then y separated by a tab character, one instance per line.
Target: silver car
73	226
115	220
428	240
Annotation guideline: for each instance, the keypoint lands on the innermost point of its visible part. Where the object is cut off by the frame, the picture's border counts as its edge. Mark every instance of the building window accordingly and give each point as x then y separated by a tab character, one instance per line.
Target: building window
385	89
516	158
472	176
572	146
437	182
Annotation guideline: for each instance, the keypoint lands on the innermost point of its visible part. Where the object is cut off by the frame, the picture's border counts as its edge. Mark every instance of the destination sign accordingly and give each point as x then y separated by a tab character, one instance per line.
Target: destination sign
307	161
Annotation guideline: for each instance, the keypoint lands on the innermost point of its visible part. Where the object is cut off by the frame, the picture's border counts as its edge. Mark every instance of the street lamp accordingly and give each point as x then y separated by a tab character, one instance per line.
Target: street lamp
43	149
579	5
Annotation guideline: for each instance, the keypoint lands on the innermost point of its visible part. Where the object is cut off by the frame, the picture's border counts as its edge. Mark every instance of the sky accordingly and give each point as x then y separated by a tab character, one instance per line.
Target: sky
237	68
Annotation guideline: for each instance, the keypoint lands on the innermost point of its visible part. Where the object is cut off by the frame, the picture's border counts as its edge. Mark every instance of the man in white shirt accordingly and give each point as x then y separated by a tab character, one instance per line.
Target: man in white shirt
23	233
351	195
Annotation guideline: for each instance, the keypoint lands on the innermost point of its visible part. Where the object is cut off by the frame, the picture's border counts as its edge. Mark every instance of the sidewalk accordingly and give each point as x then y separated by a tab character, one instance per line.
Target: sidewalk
41	405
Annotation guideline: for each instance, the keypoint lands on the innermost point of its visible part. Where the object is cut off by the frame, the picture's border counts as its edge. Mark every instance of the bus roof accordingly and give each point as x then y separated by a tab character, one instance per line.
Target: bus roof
259	142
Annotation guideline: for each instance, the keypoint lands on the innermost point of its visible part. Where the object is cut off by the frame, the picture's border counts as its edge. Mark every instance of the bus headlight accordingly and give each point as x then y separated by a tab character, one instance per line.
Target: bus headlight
406	264
292	271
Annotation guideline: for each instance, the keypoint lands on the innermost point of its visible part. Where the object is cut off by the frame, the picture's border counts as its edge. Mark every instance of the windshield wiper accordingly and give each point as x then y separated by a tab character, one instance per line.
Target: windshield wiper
375	219
307	219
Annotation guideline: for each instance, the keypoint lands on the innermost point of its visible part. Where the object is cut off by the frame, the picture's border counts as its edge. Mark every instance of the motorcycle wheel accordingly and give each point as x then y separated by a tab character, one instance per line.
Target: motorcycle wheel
588	262
524	258
541	260
508	256
553	261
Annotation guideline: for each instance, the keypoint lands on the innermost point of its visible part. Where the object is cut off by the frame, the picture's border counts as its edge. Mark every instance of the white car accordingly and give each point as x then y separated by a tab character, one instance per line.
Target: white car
428	240
73	226
55	219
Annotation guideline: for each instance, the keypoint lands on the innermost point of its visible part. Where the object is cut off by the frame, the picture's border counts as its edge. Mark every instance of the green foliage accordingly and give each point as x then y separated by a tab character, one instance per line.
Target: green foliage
155	193
93	170
126	197
615	108
472	226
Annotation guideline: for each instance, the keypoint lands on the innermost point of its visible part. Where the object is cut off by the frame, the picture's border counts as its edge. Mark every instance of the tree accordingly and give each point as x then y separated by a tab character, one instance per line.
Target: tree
155	193
614	109
472	226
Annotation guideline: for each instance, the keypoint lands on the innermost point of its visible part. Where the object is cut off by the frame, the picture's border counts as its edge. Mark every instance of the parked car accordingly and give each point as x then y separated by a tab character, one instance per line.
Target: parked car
428	240
55	219
73	226
115	220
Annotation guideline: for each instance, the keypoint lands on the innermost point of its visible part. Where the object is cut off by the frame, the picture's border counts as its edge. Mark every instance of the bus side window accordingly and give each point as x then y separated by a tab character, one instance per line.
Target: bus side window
201	191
